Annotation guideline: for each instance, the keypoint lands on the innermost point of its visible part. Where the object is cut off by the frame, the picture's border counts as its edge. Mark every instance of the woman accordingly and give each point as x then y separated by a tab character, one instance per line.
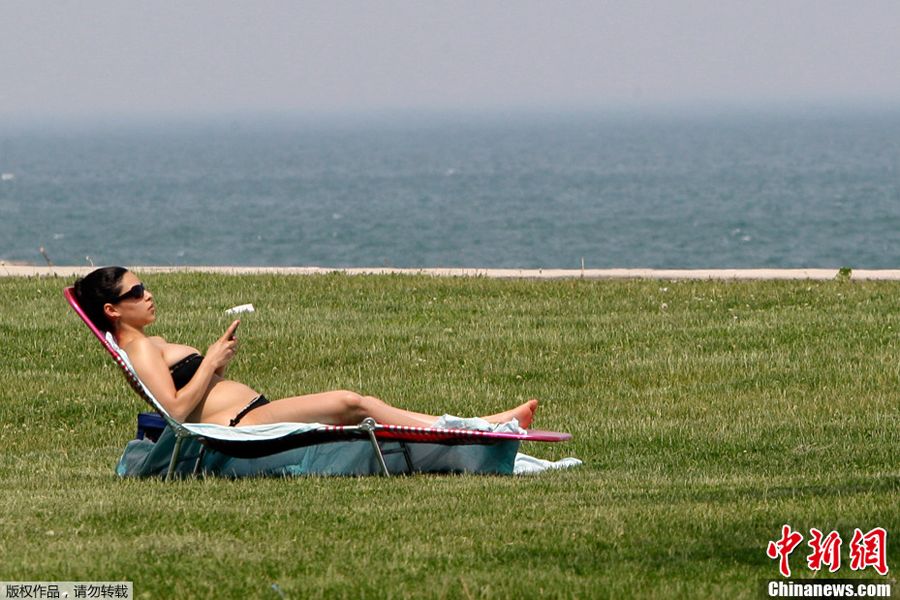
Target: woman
192	388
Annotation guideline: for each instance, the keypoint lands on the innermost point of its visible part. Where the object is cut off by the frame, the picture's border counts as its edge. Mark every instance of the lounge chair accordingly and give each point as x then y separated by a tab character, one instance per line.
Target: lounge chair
264	440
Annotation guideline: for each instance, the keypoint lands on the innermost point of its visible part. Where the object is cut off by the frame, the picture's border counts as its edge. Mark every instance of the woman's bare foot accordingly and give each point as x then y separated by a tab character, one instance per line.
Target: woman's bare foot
524	414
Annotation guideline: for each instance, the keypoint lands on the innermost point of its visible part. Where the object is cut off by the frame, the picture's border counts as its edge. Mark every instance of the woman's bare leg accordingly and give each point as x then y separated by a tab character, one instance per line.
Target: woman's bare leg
343	407
524	413
339	407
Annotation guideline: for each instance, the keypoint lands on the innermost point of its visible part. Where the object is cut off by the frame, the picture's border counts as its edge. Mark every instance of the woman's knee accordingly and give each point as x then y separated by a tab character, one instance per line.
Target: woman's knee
352	403
357	407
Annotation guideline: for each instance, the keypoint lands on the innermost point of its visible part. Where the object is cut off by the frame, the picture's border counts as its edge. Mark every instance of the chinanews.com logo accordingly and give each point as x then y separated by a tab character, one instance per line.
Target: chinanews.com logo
865	551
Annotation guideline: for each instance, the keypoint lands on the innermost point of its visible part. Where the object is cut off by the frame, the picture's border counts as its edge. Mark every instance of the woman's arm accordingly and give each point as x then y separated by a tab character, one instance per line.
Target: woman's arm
222	351
228	337
153	371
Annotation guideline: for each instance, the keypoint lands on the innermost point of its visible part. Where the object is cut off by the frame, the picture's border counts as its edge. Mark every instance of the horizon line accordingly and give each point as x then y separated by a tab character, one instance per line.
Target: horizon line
713	108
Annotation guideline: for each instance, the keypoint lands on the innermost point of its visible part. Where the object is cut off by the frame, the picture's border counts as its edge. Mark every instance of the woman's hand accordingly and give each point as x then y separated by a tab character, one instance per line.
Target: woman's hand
222	350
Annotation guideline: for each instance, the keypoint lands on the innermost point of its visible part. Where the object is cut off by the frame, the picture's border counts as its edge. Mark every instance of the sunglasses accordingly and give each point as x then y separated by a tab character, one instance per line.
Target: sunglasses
135	293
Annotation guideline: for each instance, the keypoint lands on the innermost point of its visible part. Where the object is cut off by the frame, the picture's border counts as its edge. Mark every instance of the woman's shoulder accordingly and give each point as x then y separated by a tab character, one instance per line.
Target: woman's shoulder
139	344
156	343
143	351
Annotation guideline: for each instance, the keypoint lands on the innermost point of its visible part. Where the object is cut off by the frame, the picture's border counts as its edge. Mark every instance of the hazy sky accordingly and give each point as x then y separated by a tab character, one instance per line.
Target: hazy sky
214	56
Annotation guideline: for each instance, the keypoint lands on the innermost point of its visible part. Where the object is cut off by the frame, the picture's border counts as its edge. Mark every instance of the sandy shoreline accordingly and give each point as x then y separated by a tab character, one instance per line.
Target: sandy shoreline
737	274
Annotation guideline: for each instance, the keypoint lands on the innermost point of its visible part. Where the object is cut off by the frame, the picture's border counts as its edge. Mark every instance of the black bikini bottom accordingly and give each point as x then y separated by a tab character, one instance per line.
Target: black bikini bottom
255	403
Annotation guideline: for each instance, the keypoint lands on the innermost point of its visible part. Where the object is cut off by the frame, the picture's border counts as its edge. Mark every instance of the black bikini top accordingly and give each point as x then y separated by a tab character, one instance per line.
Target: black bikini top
184	369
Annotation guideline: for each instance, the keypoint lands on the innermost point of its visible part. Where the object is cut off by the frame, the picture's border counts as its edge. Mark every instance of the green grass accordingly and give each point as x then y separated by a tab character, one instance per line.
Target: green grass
707	415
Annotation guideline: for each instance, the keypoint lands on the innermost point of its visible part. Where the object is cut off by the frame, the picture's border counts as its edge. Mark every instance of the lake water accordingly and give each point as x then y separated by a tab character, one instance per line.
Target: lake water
529	191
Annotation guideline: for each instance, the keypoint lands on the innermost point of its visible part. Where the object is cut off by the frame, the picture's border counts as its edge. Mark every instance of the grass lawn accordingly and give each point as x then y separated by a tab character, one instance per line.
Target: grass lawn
707	414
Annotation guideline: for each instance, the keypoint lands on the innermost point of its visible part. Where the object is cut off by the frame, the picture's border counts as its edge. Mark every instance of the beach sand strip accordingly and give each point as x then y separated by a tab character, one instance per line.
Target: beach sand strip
669	274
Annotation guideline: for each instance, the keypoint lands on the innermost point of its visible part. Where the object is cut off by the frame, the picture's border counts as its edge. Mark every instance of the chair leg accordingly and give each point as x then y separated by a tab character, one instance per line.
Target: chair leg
407	456
199	460
368	425
401	448
175	452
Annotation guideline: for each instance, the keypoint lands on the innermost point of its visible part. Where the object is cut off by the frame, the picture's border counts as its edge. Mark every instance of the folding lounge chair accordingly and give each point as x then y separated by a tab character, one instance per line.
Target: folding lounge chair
263	440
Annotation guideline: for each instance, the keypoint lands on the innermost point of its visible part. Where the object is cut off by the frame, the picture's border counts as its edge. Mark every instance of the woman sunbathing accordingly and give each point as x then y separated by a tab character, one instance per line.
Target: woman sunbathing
192	388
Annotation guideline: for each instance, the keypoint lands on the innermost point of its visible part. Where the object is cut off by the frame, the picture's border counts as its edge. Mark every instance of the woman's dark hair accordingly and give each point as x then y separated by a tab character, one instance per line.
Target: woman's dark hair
96	289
